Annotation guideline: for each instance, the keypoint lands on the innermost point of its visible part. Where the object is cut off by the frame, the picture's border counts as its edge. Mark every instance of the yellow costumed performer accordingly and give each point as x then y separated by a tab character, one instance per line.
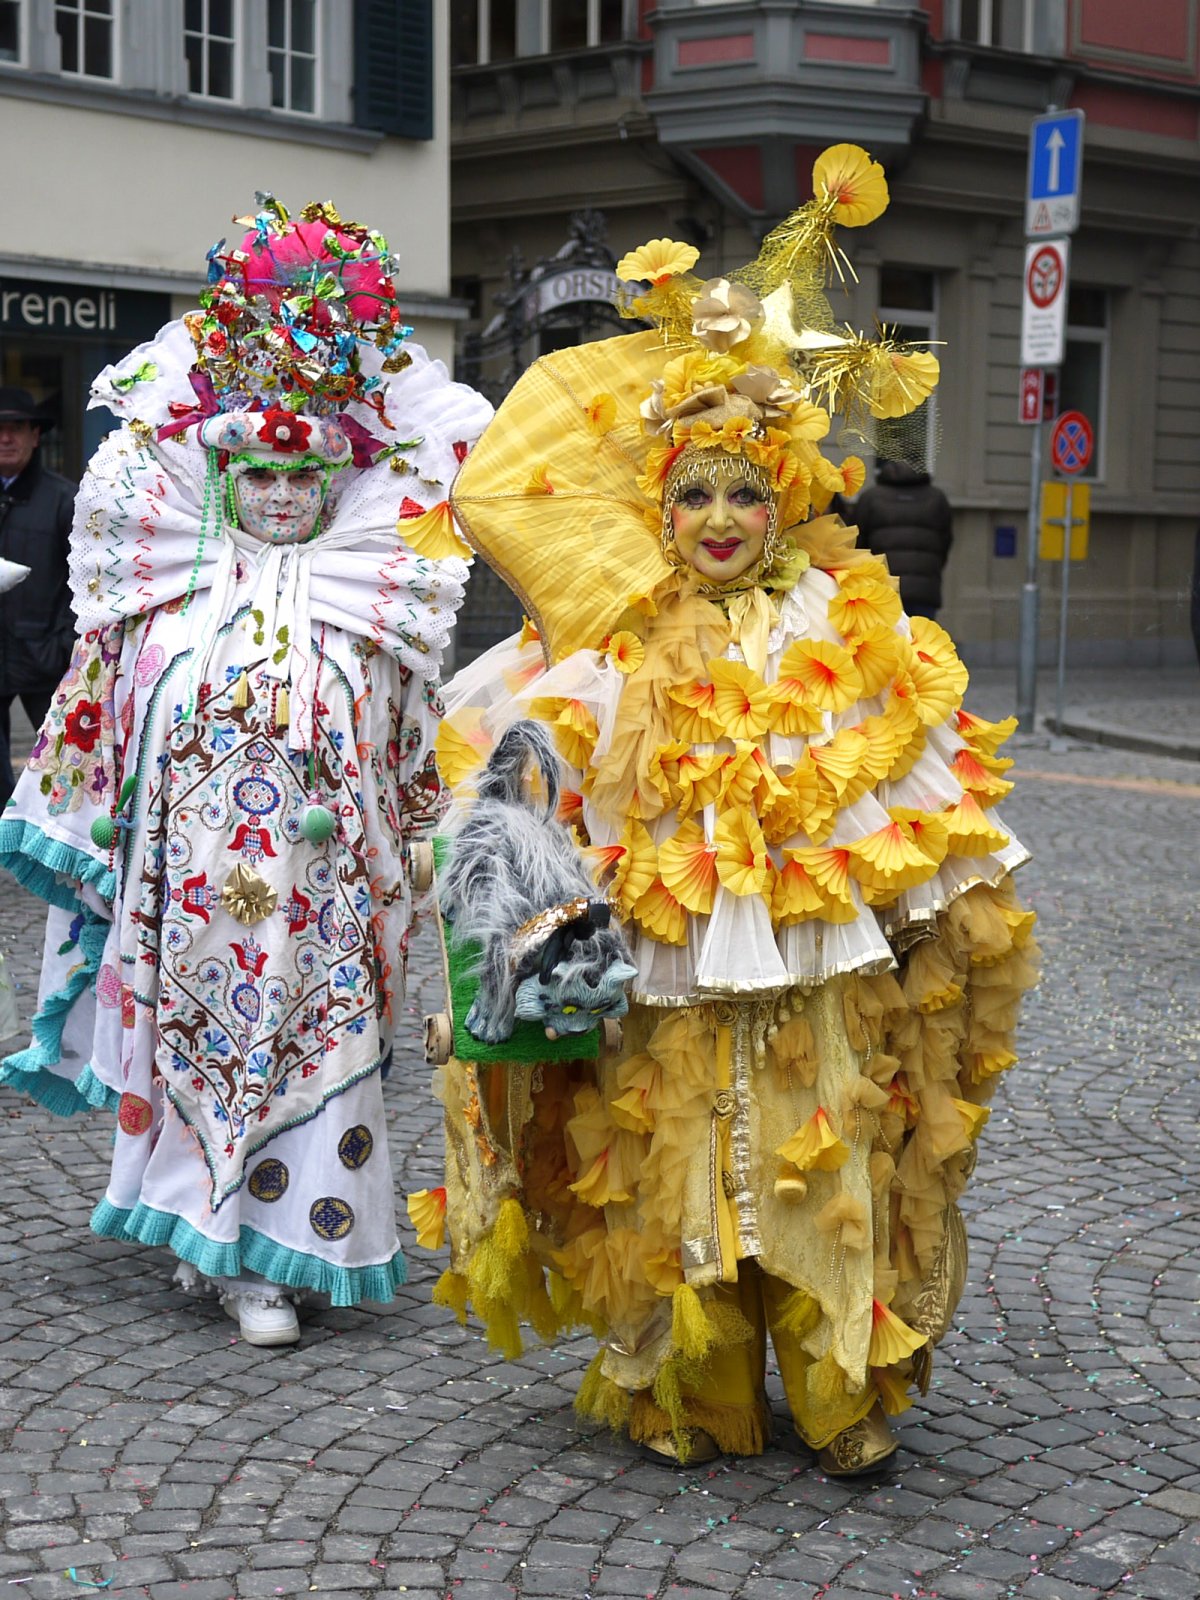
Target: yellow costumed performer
769	769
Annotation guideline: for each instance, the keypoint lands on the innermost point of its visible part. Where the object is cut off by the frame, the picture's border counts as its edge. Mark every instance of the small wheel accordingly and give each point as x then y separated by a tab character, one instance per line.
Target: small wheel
439	1039
420	865
613	1036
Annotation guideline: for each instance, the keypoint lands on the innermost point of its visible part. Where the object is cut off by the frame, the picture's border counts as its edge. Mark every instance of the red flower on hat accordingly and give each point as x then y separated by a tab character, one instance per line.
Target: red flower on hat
82	726
284	430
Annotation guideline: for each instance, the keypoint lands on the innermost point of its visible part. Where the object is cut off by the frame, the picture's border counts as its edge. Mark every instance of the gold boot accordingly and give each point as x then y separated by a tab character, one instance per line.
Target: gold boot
863	1447
699	1447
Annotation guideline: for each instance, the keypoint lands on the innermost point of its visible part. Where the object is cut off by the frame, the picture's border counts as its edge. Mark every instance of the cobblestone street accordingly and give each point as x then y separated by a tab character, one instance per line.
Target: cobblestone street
149	1452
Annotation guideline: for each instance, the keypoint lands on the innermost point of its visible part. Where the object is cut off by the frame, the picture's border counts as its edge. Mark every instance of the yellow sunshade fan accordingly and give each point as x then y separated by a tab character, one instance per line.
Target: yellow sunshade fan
578	556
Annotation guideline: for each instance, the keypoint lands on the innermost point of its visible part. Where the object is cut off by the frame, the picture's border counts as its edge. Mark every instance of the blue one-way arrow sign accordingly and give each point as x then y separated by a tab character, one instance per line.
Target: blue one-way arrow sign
1055	172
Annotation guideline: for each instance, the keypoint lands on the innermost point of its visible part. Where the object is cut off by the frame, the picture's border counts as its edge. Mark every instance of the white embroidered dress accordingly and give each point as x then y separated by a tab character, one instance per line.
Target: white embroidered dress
219	690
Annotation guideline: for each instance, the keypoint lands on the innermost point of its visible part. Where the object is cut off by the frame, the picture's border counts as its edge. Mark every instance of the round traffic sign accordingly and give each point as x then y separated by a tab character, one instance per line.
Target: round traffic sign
1071	442
1046	276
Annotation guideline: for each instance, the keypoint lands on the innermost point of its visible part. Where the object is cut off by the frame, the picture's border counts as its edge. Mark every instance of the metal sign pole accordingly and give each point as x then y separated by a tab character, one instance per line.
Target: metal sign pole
1068	528
1027	650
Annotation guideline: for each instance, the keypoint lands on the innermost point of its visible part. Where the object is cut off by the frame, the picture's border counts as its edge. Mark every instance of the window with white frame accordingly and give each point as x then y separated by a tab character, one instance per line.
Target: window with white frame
1083	382
1036	27
483	31
292	54
210	46
580	24
908	310
10	31
86	37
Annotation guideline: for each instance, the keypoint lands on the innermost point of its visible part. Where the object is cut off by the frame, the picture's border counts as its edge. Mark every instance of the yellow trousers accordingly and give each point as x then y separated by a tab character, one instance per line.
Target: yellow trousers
729	1401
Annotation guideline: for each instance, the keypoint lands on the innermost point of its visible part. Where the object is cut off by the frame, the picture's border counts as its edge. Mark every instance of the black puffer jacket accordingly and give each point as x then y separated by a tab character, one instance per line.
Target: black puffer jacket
907	520
37	625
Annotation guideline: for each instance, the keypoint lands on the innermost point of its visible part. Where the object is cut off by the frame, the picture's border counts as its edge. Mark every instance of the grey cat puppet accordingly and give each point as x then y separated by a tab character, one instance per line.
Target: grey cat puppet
516	883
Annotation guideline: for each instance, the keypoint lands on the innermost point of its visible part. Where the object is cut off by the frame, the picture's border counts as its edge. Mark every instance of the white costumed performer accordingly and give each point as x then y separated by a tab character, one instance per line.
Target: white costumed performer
220	806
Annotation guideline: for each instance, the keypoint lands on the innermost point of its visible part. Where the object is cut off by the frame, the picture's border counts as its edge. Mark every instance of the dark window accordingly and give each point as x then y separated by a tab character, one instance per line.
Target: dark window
209	42
1083	385
502	30
10	30
85	35
292	54
464	33
569	25
906	288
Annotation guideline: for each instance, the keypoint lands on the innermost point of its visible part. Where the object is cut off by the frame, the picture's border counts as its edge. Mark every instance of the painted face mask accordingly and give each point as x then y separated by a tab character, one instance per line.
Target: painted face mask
279	506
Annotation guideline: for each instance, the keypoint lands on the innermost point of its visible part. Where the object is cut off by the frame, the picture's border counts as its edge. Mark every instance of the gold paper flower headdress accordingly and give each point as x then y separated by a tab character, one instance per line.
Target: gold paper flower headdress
740	373
763	364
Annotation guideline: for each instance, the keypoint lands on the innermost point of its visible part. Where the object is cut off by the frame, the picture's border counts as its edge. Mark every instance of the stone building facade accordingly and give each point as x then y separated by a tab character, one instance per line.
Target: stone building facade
700	119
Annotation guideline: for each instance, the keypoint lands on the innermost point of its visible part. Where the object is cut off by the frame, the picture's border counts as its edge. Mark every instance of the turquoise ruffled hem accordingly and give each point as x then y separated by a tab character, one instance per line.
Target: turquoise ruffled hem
35	860
345	1286
98	1095
28	1070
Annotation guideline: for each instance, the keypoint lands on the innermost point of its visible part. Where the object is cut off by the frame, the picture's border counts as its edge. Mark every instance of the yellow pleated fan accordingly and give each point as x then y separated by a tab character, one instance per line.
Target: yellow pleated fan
427	1213
815	1145
795	897
983	736
747	778
601	413
891	1339
846	174
887	862
742	861
791	714
636	867
656	261
892	1389
626	651
863	605
570	809
693	717
883	746
839	761
695	779
433	534
928	829
987	786
974	1117
900	380
825	673
935	688
970	832
829	869
462	745
539	480
876	653
573	725
742	704
687	865
659	914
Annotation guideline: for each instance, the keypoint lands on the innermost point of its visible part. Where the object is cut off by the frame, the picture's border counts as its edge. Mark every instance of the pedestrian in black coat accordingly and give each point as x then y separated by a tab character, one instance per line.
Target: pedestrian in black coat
908	520
37	626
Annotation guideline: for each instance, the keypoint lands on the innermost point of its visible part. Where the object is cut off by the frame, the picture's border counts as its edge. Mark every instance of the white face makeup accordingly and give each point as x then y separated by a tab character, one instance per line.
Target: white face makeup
720	530
279	507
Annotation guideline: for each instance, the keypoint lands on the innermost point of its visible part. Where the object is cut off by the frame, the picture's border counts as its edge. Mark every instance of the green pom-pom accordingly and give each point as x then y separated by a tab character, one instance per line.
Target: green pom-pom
103	832
317	824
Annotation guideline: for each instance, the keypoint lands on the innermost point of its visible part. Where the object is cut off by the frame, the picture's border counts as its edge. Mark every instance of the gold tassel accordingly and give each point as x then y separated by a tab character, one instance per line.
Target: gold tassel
283	714
241	691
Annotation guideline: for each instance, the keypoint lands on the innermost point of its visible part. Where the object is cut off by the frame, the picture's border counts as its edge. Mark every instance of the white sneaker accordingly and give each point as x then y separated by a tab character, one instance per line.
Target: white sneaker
263	1315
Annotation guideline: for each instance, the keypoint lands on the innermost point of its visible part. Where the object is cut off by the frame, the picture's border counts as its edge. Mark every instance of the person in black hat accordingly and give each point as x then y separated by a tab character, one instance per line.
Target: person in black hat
36	623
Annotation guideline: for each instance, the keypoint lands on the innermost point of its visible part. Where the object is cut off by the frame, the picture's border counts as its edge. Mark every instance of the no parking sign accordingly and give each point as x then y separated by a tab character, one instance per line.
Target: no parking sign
1071	442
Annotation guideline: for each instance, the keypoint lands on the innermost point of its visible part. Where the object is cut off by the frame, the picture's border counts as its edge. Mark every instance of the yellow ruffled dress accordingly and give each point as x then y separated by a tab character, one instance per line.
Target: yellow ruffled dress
797	822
